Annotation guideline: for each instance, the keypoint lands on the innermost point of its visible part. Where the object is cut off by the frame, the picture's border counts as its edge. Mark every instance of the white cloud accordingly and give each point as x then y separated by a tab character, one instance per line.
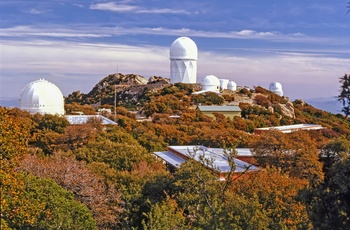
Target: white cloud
79	66
29	31
124	8
35	11
79	31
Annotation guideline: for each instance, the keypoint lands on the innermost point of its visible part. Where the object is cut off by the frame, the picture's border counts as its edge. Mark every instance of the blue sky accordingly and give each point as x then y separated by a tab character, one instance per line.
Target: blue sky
304	45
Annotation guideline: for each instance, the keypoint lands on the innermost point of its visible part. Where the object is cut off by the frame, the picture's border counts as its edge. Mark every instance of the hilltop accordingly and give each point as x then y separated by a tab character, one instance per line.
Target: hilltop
110	177
129	87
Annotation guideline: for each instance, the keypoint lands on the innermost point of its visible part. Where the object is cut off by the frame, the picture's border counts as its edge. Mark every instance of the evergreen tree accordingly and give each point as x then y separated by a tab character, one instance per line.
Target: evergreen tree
344	95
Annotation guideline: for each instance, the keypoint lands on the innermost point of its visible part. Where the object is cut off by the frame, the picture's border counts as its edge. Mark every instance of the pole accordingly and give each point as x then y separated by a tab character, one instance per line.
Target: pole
115	103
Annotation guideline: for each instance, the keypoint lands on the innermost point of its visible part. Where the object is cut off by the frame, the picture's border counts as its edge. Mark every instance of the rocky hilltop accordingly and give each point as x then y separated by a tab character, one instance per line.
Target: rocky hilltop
130	90
126	87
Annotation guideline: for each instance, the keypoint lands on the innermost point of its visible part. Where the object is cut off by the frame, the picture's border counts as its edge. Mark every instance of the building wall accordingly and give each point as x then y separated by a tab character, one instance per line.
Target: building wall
184	71
226	114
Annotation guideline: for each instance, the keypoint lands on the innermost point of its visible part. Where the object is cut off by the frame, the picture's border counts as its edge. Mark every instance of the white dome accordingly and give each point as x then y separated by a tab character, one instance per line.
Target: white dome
42	97
232	86
211	83
276	88
183	48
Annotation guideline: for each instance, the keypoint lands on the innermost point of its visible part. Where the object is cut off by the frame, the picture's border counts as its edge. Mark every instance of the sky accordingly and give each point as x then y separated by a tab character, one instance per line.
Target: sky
304	45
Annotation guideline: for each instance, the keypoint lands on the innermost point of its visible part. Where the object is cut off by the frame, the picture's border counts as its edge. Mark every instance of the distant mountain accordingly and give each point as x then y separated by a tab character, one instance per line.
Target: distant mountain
9	102
328	104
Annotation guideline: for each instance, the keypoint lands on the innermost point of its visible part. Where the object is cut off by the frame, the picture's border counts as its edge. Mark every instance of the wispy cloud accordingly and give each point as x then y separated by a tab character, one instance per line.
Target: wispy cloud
29	31
125	8
79	31
36	11
303	75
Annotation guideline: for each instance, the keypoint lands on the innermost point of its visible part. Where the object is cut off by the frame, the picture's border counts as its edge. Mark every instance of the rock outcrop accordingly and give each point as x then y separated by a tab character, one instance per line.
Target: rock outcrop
288	109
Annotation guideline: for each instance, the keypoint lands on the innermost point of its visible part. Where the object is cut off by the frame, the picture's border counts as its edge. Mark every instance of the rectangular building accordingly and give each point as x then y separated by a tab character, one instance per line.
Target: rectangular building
228	111
215	159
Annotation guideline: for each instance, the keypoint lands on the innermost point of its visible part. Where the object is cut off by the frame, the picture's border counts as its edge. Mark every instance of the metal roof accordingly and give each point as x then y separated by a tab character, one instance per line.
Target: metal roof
83	119
218	108
213	158
170	158
291	128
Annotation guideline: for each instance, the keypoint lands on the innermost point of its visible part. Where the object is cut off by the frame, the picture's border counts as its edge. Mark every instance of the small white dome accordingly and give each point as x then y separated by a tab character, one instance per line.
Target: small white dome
211	83
183	48
232	86
276	88
42	97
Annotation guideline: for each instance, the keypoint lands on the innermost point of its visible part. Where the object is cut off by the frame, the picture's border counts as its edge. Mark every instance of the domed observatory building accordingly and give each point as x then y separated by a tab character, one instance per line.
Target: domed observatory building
276	88
223	83
211	83
42	97
183	61
232	86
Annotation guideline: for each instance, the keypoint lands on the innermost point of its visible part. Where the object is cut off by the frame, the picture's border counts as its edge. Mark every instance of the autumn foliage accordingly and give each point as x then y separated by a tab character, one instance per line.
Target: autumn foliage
55	175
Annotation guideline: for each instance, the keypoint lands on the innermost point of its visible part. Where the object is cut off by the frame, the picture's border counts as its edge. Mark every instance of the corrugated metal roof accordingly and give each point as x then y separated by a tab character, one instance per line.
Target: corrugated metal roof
83	119
290	128
218	108
212	158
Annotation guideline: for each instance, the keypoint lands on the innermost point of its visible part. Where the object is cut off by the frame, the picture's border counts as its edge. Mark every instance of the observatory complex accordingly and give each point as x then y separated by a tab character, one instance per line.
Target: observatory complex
183	61
276	88
43	97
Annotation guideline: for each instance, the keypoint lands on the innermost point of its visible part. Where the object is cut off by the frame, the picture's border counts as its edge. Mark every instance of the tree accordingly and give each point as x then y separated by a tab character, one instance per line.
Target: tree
344	95
146	184
15	133
165	215
201	195
29	202
295	154
330	203
271	201
98	195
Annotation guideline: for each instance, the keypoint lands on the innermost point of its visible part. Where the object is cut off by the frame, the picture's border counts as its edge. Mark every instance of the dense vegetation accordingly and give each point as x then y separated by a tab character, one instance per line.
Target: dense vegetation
90	176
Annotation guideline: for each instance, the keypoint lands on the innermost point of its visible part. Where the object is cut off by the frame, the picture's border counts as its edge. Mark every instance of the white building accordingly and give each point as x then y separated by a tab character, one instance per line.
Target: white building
211	84
232	86
43	97
214	158
183	61
223	83
276	88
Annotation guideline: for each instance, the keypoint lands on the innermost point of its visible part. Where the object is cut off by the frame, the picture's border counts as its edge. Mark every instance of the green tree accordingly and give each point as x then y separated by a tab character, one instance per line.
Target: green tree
330	203
165	215
344	95
34	203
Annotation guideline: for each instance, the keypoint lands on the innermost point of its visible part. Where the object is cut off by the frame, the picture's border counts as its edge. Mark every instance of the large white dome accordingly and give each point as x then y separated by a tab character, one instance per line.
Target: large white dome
211	83
276	88
183	48
42	97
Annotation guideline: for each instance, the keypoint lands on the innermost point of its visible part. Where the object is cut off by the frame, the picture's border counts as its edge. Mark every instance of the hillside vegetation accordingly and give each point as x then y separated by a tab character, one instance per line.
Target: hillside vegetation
106	177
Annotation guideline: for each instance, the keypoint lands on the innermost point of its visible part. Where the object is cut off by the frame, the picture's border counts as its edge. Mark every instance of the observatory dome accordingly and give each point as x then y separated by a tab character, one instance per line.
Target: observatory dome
223	83
211	83
276	88
183	48
232	86
42	97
